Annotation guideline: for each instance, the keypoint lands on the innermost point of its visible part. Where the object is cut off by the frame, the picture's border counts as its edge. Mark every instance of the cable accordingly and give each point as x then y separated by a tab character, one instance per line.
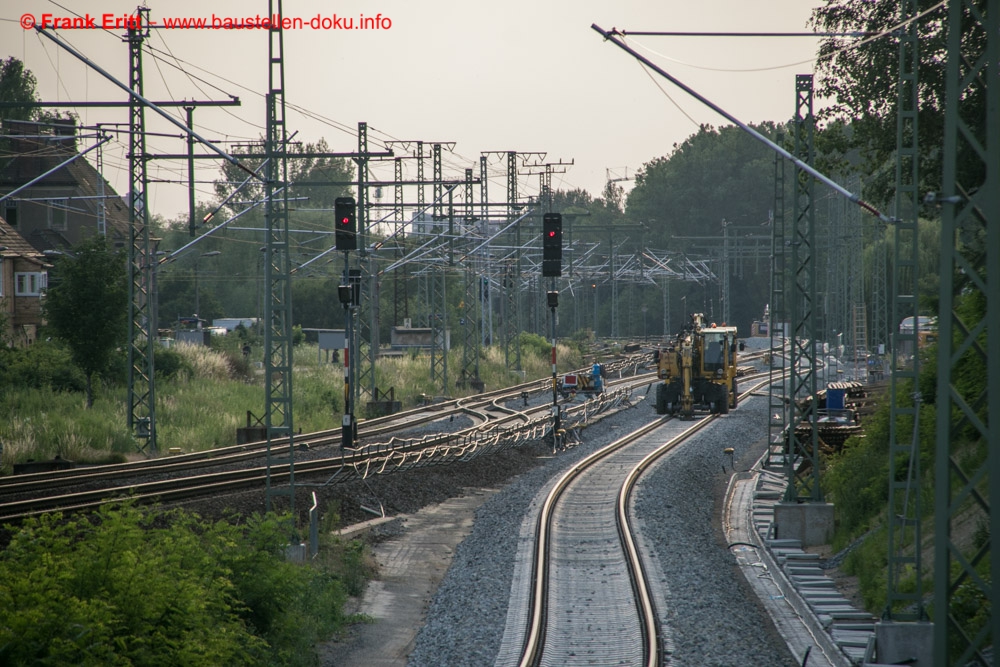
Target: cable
55	69
869	38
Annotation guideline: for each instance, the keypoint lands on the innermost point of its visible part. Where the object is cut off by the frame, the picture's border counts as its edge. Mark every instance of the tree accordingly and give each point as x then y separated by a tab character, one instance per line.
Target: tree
87	307
17	84
862	80
714	175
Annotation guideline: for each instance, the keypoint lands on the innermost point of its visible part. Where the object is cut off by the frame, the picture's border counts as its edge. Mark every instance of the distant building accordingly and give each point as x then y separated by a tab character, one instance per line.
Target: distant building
67	206
23	279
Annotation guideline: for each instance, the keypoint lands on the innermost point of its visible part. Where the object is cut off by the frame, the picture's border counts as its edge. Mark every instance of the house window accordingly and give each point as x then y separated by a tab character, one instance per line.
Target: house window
57	214
30	284
10	213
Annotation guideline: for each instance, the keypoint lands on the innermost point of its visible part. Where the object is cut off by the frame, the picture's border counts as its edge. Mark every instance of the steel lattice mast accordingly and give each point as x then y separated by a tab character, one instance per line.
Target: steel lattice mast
801	310
970	266
141	388
904	601
277	267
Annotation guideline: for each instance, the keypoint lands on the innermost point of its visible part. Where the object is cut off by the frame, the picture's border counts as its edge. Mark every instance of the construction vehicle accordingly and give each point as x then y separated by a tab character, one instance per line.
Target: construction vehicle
698	370
586	383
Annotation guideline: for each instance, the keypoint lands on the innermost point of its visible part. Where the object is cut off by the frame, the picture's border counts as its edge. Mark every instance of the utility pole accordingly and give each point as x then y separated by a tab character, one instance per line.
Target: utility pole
778	405
277	266
141	262
141	388
904	602
802	305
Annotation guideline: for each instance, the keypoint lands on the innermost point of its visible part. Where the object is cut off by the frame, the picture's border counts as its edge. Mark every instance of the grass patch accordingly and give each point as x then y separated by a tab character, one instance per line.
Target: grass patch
204	394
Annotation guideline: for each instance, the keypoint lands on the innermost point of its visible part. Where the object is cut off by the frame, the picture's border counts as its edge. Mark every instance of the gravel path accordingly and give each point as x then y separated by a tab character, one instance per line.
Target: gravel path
712	617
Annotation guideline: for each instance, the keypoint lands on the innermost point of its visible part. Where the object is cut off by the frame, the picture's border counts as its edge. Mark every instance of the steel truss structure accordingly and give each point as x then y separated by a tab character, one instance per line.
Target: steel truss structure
277	267
905	590
803	456
970	265
141	380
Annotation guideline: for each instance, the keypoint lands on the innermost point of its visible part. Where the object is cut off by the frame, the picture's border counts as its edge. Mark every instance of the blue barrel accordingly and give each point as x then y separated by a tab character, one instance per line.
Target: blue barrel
835	398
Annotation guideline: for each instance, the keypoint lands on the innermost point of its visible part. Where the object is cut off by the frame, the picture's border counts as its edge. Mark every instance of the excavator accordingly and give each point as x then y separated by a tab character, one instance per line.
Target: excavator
697	369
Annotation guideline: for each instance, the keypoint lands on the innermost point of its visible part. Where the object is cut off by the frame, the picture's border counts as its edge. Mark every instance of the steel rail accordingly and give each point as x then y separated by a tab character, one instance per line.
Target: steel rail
540	570
537	608
436	449
432	450
251	450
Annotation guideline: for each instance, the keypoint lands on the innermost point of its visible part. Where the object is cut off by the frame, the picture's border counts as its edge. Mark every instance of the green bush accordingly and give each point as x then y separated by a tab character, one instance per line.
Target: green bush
132	586
43	365
536	345
868	562
168	363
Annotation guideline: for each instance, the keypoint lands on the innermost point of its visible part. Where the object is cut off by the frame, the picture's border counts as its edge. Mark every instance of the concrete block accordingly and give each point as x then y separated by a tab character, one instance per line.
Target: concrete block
810	523
792	544
899	642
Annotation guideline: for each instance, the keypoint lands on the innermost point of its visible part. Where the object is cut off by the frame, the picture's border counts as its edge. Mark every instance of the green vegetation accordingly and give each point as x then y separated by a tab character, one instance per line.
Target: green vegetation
131	586
203	395
87	306
856	479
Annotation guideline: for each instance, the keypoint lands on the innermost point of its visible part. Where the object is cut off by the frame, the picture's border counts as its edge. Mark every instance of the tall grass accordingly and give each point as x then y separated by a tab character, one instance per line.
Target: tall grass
44	423
201	406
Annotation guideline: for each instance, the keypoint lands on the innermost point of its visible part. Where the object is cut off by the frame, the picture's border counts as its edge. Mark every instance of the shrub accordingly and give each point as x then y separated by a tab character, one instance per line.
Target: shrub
44	365
132	586
203	362
535	344
168	362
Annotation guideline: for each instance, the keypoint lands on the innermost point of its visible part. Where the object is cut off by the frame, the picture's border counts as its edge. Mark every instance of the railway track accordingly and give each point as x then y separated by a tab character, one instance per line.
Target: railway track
233	469
589	600
318	455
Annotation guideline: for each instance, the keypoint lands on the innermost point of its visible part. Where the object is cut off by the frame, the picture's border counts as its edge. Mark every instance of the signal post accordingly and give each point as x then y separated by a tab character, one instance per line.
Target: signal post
552	268
346	239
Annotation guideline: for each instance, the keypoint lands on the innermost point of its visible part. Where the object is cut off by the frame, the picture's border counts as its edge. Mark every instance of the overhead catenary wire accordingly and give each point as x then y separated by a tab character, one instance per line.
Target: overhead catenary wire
145	101
866	37
850	196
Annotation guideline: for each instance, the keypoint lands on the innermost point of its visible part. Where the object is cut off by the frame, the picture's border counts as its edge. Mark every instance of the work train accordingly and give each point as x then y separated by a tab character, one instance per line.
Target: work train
697	369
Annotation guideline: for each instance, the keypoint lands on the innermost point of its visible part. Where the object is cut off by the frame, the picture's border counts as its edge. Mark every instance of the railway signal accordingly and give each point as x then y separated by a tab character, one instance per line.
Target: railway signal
345	223
552	245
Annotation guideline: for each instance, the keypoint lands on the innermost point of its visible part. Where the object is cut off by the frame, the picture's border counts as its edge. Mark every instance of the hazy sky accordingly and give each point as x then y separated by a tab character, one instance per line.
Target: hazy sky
515	75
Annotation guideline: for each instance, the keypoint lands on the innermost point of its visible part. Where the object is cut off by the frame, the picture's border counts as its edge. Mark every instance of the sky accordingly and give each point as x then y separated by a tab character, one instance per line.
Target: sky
518	75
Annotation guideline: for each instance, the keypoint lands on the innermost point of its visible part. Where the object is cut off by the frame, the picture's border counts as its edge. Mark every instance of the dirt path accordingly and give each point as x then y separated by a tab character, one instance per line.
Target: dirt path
411	567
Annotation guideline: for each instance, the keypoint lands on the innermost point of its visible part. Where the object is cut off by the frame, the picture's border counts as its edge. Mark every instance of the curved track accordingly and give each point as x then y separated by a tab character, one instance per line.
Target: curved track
496	427
236	468
590	602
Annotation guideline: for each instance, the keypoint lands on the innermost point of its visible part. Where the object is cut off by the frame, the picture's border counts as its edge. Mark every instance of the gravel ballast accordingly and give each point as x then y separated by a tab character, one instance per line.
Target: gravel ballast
710	618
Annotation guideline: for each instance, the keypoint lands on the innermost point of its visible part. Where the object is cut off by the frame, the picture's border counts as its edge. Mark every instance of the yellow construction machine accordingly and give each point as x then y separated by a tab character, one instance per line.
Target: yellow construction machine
698	370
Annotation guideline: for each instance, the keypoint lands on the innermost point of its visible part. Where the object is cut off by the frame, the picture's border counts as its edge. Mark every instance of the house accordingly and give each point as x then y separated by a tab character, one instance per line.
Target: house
67	206
23	279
